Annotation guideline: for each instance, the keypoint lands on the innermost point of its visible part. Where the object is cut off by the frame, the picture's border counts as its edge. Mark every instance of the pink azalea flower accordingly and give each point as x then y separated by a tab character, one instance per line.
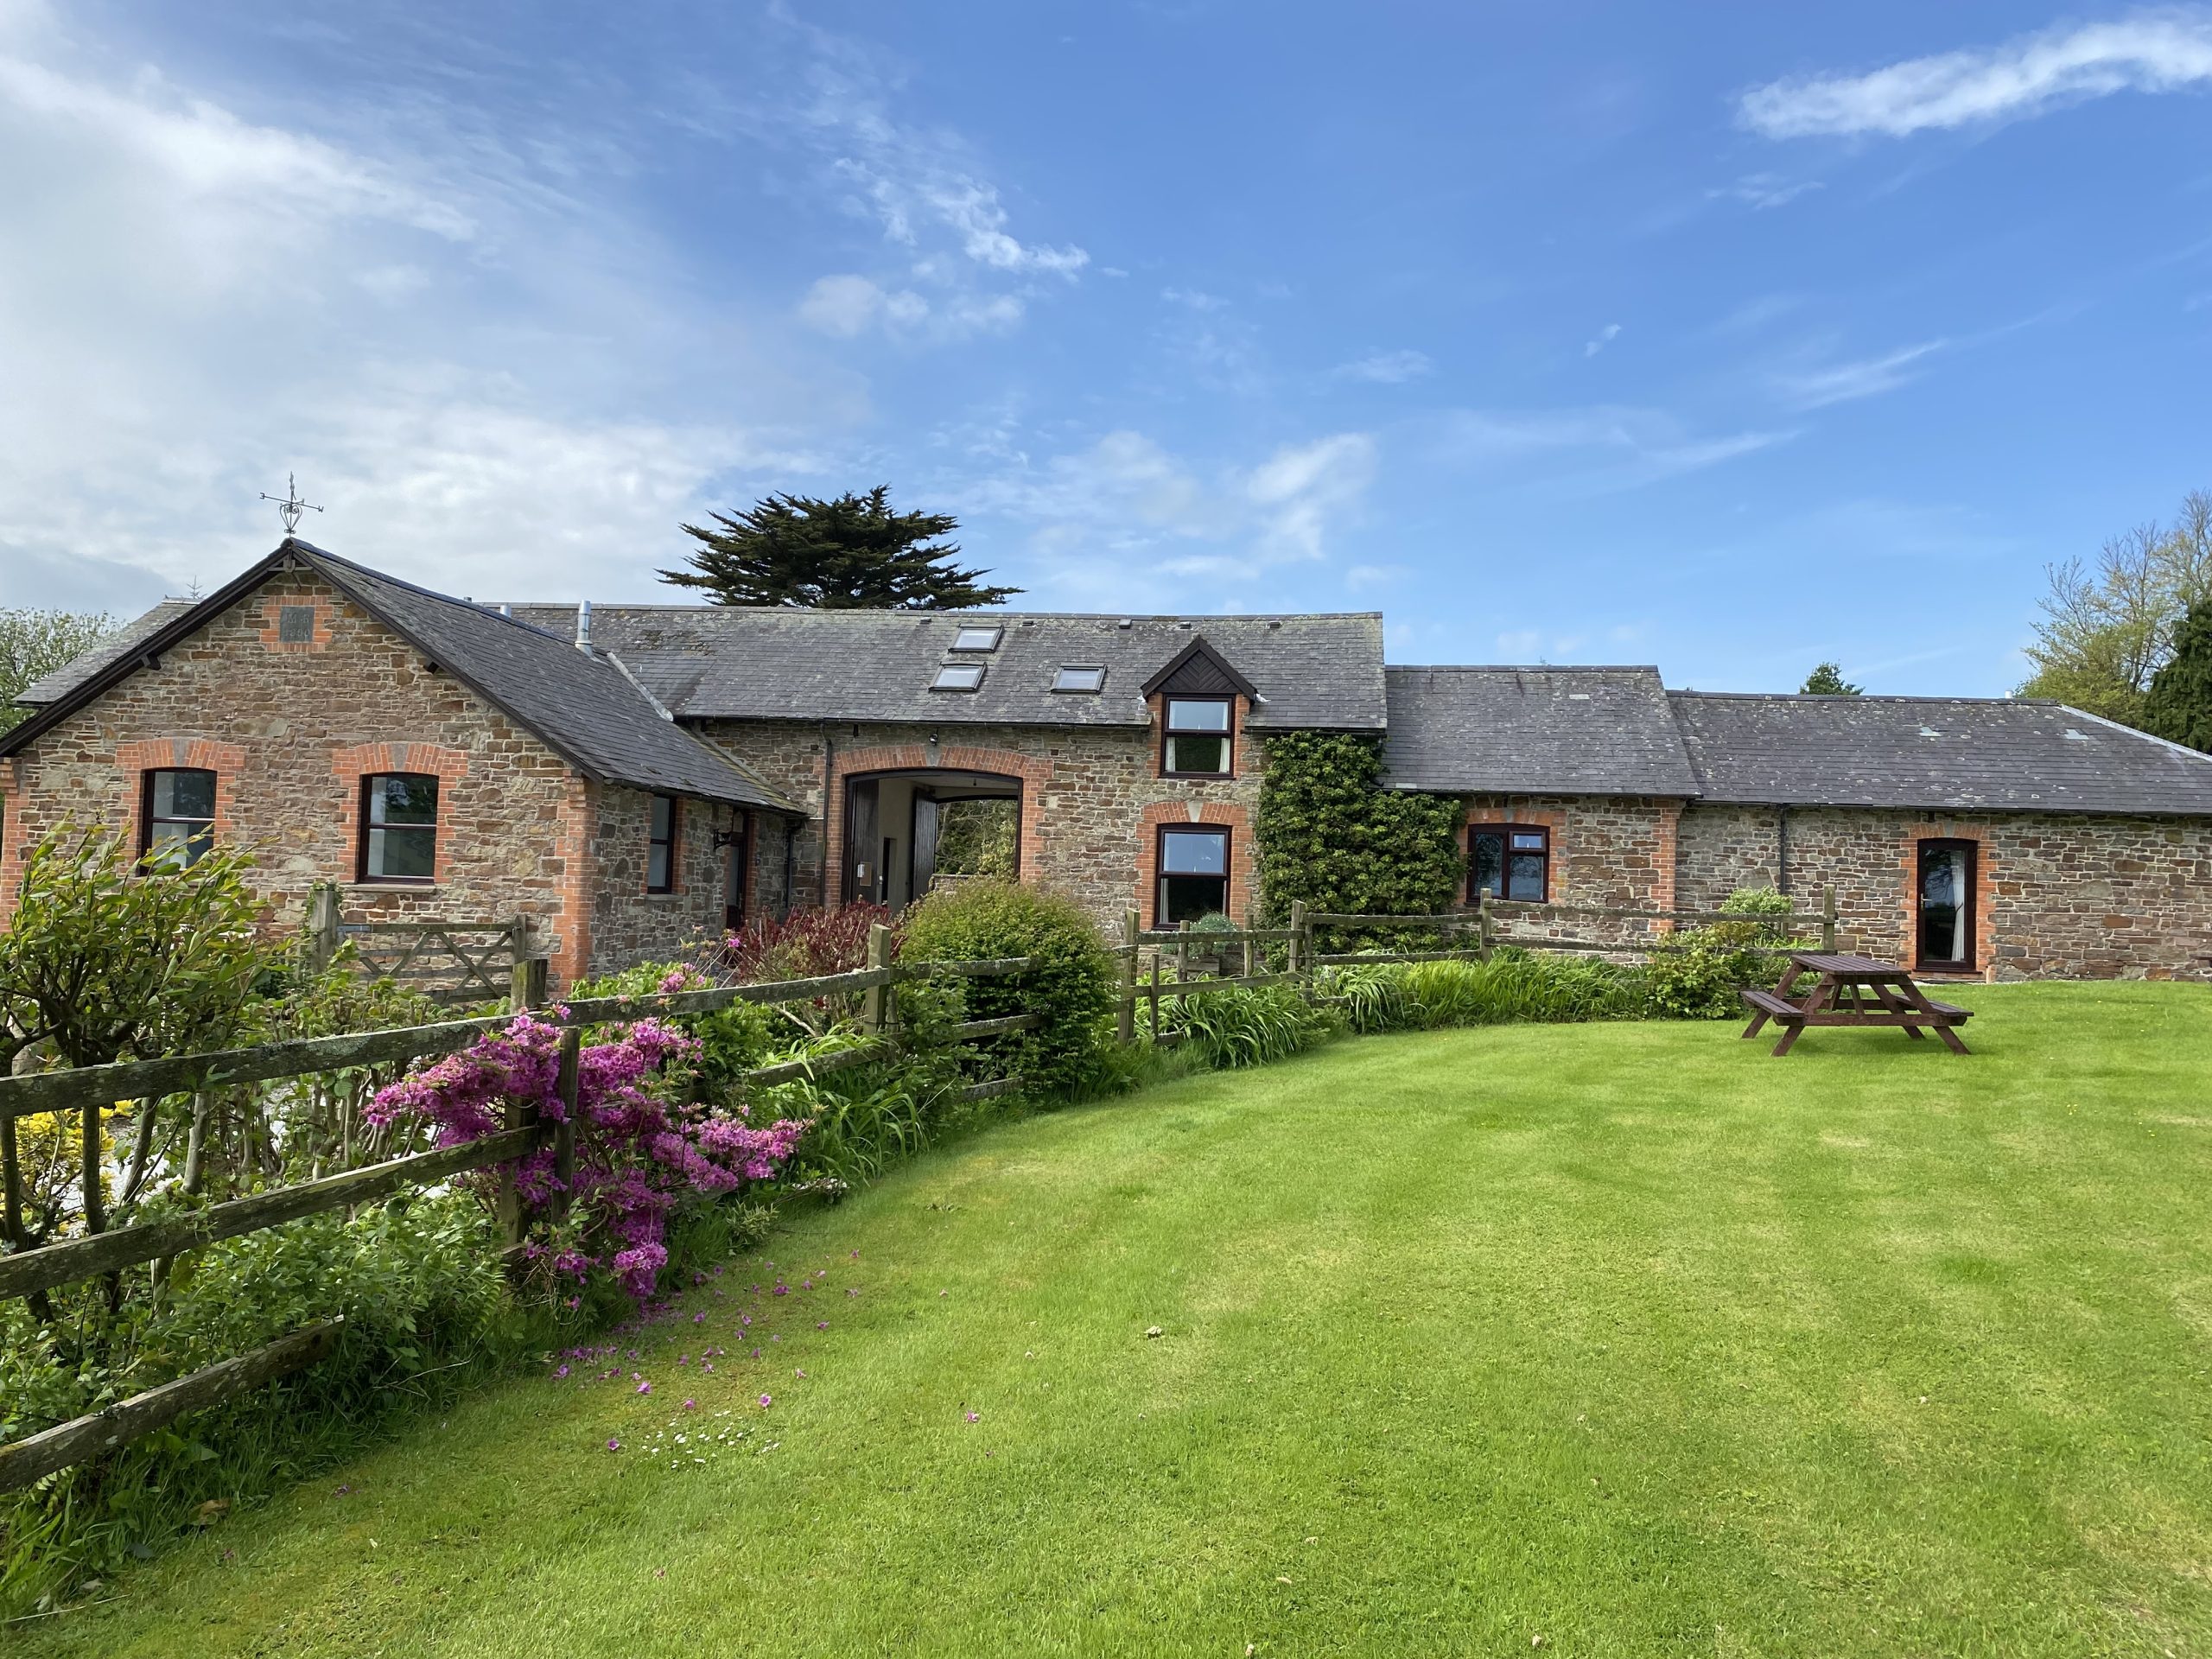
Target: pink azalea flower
691	1405
975	1416
767	1400
644	1388
615	1446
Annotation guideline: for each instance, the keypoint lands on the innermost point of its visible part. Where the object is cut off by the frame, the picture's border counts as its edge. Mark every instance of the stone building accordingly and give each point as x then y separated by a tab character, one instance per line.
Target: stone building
1994	837
432	756
630	776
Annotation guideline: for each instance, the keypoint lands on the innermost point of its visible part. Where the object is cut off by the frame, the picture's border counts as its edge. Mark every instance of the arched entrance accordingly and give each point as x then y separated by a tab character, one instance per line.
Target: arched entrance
906	830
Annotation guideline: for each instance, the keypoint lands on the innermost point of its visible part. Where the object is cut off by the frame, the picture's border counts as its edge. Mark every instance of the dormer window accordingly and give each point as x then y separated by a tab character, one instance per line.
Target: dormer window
978	639
1198	737
958	676
1078	679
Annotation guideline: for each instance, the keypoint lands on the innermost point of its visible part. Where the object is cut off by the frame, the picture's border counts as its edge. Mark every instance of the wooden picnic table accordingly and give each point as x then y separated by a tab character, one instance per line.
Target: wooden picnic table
1852	991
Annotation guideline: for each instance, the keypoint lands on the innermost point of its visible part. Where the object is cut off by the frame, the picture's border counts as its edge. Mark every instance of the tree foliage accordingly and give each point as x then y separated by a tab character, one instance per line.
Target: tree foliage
110	958
1329	834
2178	705
2106	631
33	644
1827	681
854	553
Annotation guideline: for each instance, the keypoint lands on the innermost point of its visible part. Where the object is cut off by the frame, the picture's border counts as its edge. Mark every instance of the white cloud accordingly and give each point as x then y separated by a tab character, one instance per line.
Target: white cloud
846	305
1843	383
1604	445
1388	368
1763	191
1305	487
1110	524
1606	336
2147	52
446	342
1375	575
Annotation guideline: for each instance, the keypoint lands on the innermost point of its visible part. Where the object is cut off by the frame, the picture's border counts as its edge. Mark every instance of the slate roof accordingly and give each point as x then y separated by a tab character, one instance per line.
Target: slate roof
1566	731
581	706
52	688
1940	753
740	663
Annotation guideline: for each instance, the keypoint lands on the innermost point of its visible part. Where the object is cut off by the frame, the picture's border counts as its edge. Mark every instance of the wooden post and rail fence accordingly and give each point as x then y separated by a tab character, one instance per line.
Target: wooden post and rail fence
101	1250
1482	919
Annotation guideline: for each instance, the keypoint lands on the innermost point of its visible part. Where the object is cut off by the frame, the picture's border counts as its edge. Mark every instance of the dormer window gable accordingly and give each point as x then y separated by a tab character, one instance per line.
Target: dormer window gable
1198	692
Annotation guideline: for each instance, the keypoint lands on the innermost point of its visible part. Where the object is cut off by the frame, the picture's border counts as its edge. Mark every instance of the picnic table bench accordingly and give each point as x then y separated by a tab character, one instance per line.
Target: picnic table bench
1852	991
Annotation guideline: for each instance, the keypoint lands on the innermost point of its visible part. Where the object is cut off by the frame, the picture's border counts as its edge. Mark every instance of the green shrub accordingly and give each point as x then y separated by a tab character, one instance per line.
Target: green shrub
1701	974
1071	981
1515	986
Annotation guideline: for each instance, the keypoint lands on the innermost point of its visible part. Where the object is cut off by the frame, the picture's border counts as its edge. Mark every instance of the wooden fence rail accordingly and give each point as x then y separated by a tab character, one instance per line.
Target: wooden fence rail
28	1273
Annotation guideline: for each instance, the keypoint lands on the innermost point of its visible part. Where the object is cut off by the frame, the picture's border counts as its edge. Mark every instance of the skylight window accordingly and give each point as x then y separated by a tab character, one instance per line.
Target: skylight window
977	639
958	676
1076	678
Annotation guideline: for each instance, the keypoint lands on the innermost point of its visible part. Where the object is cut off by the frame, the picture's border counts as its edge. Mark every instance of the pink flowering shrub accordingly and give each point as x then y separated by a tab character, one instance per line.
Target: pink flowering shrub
643	1146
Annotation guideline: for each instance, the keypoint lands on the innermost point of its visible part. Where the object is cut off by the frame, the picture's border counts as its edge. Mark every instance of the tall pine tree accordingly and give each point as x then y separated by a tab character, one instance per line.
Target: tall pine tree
2178	706
852	554
1827	681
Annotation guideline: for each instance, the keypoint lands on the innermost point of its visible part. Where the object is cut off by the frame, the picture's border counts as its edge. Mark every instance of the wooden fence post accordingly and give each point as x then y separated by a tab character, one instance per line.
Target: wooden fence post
1483	936
1155	997
526	980
1130	928
1301	947
11	1185
1828	921
565	1134
322	926
875	1003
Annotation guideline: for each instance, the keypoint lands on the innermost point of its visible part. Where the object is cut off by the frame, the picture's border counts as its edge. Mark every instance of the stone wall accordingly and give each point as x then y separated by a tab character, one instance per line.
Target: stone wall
629	925
1612	852
2058	895
1092	798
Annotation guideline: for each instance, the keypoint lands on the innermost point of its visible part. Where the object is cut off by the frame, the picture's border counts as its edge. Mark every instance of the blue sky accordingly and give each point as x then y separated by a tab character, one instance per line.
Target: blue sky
1727	337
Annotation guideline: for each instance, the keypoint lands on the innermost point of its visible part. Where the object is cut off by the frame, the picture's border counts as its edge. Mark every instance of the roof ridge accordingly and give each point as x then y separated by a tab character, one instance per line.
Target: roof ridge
1195	618
478	606
1859	698
1520	668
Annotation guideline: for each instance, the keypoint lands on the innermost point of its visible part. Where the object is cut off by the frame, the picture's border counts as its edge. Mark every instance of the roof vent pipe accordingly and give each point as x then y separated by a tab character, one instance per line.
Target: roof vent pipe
584	627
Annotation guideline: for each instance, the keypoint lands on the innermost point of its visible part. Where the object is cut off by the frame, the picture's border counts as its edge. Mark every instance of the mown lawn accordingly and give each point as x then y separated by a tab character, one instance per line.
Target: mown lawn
1628	1338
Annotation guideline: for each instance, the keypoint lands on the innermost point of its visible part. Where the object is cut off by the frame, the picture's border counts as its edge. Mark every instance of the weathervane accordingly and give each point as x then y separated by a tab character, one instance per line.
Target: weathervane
289	505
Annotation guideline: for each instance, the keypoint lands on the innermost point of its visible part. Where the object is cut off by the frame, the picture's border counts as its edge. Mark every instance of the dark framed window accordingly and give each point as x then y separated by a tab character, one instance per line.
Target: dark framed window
1193	873
1945	905
178	817
1080	678
1197	737
399	827
958	676
660	844
1514	861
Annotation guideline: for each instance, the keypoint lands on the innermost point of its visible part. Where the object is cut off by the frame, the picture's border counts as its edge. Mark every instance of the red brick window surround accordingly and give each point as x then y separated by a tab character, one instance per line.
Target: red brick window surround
138	761
295	623
1244	872
355	765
